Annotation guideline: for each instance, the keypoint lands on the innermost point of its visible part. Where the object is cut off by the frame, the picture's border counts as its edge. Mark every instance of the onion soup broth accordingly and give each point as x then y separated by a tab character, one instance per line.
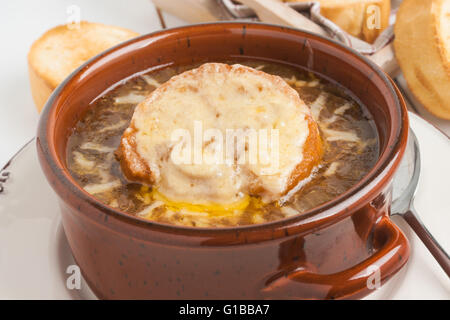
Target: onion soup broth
347	130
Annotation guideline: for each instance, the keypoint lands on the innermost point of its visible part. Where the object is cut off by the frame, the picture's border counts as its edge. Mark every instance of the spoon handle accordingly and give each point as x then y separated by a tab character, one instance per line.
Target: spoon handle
430	242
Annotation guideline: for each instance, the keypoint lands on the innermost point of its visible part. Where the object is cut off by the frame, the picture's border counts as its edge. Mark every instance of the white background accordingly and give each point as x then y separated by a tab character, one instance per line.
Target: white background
21	23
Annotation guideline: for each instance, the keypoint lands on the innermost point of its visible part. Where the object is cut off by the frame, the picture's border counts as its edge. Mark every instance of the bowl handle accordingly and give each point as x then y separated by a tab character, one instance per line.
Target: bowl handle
302	283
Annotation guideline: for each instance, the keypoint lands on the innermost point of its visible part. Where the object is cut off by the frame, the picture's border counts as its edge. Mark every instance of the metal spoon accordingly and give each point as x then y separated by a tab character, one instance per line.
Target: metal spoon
405	186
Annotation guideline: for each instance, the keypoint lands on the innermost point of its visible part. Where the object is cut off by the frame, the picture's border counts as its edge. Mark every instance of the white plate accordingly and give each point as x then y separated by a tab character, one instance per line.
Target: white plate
34	254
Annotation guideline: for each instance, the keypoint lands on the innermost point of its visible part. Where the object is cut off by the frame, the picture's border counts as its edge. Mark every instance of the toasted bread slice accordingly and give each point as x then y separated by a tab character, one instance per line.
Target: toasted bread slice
422	47
60	50
364	19
223	100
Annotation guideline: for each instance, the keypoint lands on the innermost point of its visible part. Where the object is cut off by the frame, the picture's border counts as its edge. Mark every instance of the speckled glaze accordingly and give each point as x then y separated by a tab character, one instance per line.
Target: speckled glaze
330	252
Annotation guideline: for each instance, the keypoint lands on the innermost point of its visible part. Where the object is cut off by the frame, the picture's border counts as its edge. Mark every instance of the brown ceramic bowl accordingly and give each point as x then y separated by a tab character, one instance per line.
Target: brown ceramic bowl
332	251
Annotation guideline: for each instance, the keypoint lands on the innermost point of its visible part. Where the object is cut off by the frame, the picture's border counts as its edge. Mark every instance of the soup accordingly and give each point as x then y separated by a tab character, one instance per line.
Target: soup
348	134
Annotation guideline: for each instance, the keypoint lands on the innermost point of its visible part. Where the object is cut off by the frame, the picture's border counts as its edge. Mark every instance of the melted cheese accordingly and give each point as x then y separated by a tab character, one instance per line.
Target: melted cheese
219	98
132	97
334	135
102	187
210	208
331	169
342	109
96	147
151	81
318	105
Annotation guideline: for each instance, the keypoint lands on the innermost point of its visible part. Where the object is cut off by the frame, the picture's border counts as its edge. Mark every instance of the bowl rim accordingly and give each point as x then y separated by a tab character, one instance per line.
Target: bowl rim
337	208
